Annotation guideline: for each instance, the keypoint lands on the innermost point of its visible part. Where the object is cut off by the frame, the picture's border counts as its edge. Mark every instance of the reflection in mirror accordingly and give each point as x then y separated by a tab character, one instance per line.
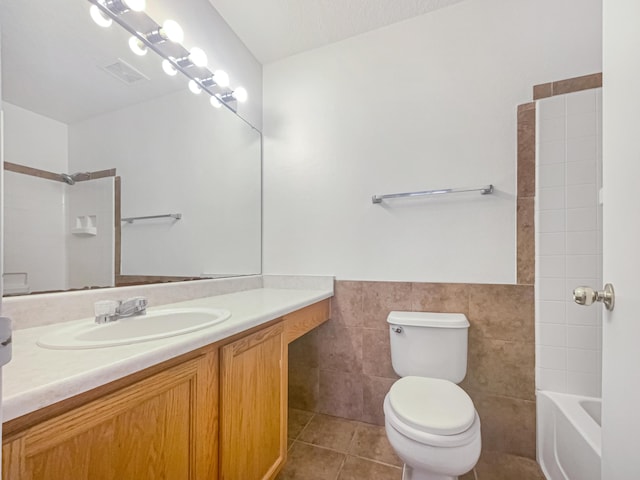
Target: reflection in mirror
93	134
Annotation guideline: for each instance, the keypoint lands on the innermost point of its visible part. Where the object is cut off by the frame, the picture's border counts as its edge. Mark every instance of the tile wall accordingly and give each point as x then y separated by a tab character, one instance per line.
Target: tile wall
344	368
569	242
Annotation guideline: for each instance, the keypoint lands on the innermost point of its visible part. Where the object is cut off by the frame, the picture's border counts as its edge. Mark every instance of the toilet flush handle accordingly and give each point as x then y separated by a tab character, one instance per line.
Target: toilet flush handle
396	328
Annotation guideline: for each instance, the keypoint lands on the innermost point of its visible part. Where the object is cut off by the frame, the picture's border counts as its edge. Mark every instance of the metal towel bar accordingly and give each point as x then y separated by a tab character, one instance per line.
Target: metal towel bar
175	216
487	189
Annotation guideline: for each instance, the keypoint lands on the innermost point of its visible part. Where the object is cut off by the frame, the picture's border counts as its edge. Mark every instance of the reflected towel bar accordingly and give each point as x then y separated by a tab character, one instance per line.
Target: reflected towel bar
175	216
483	190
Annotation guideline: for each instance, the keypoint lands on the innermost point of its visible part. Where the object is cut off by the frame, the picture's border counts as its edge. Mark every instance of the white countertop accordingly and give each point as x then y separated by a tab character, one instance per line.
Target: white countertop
37	377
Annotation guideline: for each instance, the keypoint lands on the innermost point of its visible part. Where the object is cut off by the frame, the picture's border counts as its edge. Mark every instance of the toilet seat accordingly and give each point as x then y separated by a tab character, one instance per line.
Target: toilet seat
432	411
432	405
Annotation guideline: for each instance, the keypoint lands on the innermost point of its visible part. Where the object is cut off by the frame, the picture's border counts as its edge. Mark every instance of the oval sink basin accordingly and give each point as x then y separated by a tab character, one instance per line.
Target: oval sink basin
153	325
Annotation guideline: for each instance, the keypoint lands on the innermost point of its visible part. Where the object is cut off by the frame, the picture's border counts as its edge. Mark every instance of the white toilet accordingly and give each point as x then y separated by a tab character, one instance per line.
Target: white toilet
430	421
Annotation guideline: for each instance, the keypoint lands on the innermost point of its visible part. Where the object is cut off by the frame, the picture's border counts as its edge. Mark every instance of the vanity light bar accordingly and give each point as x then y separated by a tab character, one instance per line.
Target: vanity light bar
174	55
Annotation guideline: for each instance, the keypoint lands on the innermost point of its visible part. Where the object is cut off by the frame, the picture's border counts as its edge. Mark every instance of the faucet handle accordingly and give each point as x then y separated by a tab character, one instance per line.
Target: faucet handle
133	306
105	310
138	302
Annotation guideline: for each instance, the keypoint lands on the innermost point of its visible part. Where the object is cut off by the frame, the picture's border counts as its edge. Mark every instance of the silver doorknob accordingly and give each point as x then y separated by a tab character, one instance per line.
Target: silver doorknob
587	296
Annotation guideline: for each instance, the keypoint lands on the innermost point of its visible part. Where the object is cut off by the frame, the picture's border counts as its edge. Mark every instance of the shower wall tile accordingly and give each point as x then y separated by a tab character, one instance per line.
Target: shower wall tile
581	219
569	245
577	126
583	149
550	153
553	198
581	173
552	266
582	243
580	102
552	335
581	196
551	221
578	315
552	175
553	129
549	379
551	312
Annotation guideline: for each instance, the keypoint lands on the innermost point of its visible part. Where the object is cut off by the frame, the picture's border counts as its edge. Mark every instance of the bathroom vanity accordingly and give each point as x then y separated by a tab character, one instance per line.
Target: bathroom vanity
216	411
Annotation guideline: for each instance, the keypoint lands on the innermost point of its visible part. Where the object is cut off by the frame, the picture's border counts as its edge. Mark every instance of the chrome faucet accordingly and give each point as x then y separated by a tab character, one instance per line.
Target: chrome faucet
111	310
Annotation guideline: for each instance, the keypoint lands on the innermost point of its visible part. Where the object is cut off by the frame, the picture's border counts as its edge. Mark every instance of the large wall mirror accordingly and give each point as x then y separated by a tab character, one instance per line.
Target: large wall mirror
93	135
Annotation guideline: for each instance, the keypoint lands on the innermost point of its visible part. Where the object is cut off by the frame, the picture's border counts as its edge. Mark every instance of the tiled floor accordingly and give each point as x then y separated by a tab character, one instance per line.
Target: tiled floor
331	448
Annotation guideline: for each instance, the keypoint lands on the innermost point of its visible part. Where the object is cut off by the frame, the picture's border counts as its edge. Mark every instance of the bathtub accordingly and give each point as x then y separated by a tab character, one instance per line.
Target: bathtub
569	439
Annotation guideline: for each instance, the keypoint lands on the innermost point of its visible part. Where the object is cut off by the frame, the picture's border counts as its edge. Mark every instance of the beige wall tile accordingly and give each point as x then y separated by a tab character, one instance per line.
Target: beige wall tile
526	242
346	305
375	389
376	353
501	368
380	298
341	394
440	297
339	348
503	312
508	424
526	150
303	352
304	387
544	90
577	84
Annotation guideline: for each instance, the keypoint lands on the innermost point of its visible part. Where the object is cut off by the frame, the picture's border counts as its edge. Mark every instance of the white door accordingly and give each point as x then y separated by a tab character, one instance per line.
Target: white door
621	230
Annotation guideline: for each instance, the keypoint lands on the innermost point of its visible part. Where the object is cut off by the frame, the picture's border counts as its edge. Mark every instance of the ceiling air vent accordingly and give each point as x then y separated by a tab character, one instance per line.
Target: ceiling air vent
125	72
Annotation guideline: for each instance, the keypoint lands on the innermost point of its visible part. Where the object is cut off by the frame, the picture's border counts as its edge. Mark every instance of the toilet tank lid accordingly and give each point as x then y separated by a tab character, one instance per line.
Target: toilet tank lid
429	319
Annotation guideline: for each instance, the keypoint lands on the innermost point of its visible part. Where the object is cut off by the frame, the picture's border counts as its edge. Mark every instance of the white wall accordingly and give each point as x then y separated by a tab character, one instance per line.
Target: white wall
425	103
177	154
34	208
568	242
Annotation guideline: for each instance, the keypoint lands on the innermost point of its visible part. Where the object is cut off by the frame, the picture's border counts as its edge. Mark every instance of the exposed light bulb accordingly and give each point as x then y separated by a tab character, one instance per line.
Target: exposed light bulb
194	87
240	94
172	31
215	101
137	47
99	17
221	78
168	68
198	57
135	5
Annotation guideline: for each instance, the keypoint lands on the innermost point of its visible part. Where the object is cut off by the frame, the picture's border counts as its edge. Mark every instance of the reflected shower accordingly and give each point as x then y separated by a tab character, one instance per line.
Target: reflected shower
74	177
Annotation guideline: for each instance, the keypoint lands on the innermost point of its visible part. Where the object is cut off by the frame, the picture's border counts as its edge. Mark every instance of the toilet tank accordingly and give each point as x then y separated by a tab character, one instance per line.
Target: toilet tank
429	344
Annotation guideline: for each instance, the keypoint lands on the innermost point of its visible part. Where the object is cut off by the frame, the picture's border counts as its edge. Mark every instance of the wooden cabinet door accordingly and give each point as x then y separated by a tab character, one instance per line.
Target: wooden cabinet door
163	427
253	416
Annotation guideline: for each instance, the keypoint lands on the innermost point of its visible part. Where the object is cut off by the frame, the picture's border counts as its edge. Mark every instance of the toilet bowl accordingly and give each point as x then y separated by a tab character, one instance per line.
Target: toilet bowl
433	427
430	421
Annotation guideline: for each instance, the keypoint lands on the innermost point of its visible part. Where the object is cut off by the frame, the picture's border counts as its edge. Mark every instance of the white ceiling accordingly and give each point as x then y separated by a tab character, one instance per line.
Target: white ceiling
275	29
